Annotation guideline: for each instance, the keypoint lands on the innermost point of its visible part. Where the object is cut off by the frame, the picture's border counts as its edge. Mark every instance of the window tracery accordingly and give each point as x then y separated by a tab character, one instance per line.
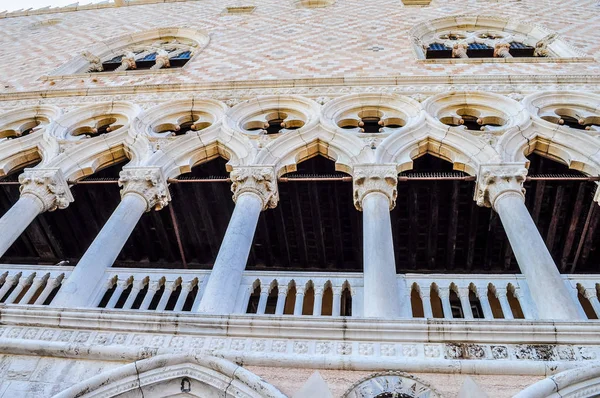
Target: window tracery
21	123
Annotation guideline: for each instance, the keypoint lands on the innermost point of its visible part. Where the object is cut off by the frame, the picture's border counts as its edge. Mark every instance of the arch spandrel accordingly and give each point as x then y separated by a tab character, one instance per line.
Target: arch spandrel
391	384
174	376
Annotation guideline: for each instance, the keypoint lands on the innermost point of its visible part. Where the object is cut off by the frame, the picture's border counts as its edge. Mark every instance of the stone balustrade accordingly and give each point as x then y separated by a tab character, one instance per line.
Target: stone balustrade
22	284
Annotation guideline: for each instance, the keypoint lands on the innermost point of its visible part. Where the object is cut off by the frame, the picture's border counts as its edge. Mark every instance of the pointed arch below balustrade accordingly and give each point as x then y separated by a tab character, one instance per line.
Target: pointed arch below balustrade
175	375
16	151
582	381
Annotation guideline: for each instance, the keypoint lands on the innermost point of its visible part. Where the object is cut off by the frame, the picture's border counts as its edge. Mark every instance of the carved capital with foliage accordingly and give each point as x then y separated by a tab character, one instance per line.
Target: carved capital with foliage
494	181
48	185
260	181
149	183
370	178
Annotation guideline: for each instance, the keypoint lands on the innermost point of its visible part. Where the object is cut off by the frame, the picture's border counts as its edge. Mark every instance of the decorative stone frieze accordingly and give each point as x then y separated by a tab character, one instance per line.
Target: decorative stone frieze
149	183
260	181
497	180
48	185
375	178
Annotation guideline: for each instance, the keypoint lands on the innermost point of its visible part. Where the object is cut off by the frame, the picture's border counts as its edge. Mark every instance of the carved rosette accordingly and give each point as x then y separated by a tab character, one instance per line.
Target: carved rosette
257	180
375	178
48	185
494	181
148	182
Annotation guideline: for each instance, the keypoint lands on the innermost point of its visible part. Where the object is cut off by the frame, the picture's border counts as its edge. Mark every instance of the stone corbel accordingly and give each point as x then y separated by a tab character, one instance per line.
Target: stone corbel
496	180
148	182
370	178
48	185
260	181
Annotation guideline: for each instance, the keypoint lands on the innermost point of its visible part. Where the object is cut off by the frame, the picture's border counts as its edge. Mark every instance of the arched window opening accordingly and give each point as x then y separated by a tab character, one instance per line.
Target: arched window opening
124	295
371	121
98	126
157	55
137	303
513	301
494	302
346	304
327	303
107	295
416	302
173	298
475	304
585	303
191	297
272	300
157	296
438	51
290	300
254	299
457	311
437	308
273	122
309	301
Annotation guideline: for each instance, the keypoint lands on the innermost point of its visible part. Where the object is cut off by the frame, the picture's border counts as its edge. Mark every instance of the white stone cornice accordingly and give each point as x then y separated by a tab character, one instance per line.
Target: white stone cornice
501	179
369	178
260	181
149	183
48	185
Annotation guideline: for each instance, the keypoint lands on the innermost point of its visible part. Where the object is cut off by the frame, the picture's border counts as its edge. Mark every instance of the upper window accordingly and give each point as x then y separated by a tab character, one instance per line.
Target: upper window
465	37
155	49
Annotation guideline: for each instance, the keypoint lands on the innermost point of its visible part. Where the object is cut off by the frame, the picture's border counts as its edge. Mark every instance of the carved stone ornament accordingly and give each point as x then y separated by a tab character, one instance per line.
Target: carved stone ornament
394	384
496	180
375	178
258	180
48	185
148	182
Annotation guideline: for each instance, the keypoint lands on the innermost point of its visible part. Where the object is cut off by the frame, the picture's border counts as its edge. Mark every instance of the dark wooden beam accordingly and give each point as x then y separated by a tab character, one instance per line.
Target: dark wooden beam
317	222
556	213
490	241
298	224
282	236
584	234
538	201
190	229
338	241
413	227
203	218
571	232
432	241
452	226
590	239
473	222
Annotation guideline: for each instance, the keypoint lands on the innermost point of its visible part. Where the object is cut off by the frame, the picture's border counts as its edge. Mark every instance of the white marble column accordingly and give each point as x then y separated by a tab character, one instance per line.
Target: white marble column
375	194
52	284
254	189
41	190
144	189
465	303
164	300
318	304
504	304
426	299
299	304
186	288
135	290
153	288
23	283
35	286
485	302
262	301
501	187
121	287
445	298
337	301
281	296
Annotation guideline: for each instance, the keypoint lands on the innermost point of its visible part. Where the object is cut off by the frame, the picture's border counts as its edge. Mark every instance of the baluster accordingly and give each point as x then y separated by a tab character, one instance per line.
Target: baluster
121	286
135	290
318	304
153	287
35	286
485	302
504	304
23	283
186	288
337	301
445	297
523	303
591	296
426	299
109	284
198	298
10	281
281	300
262	301
52	284
162	304
299	300
465	302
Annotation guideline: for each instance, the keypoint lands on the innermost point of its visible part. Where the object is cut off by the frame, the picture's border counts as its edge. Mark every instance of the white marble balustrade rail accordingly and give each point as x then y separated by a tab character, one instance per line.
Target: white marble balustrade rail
26	284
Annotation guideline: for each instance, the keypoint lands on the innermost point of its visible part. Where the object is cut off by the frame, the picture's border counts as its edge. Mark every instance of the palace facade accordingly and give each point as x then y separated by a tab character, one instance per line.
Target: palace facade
307	198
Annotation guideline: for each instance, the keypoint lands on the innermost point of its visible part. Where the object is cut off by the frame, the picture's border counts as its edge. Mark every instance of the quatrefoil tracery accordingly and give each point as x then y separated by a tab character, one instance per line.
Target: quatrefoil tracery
182	124
474	119
371	121
97	126
576	118
273	122
22	128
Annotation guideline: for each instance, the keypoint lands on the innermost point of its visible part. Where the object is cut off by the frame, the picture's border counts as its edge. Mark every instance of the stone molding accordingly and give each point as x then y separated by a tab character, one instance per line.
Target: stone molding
498	180
260	181
375	178
48	185
148	182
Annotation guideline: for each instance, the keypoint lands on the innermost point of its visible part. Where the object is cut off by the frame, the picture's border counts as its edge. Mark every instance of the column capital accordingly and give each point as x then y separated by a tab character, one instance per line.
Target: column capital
494	181
260	181
48	185
368	178
148	182
318	290
282	290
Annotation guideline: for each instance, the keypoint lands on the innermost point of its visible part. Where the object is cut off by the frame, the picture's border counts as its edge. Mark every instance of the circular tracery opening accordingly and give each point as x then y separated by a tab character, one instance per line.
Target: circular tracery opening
184	124
579	119
392	395
371	121
273	122
98	126
23	130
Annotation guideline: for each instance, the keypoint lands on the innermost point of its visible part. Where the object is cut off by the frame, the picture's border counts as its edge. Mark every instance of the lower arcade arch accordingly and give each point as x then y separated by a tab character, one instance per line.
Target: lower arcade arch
175	376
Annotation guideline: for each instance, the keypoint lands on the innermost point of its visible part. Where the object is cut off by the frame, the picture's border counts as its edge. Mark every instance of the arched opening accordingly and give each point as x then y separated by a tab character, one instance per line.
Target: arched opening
346	304
475	303
327	304
585	303
513	301
174	297
107	295
416	302
124	296
191	298
455	304
272	299
290	299
309	300
494	302
254	299
436	302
